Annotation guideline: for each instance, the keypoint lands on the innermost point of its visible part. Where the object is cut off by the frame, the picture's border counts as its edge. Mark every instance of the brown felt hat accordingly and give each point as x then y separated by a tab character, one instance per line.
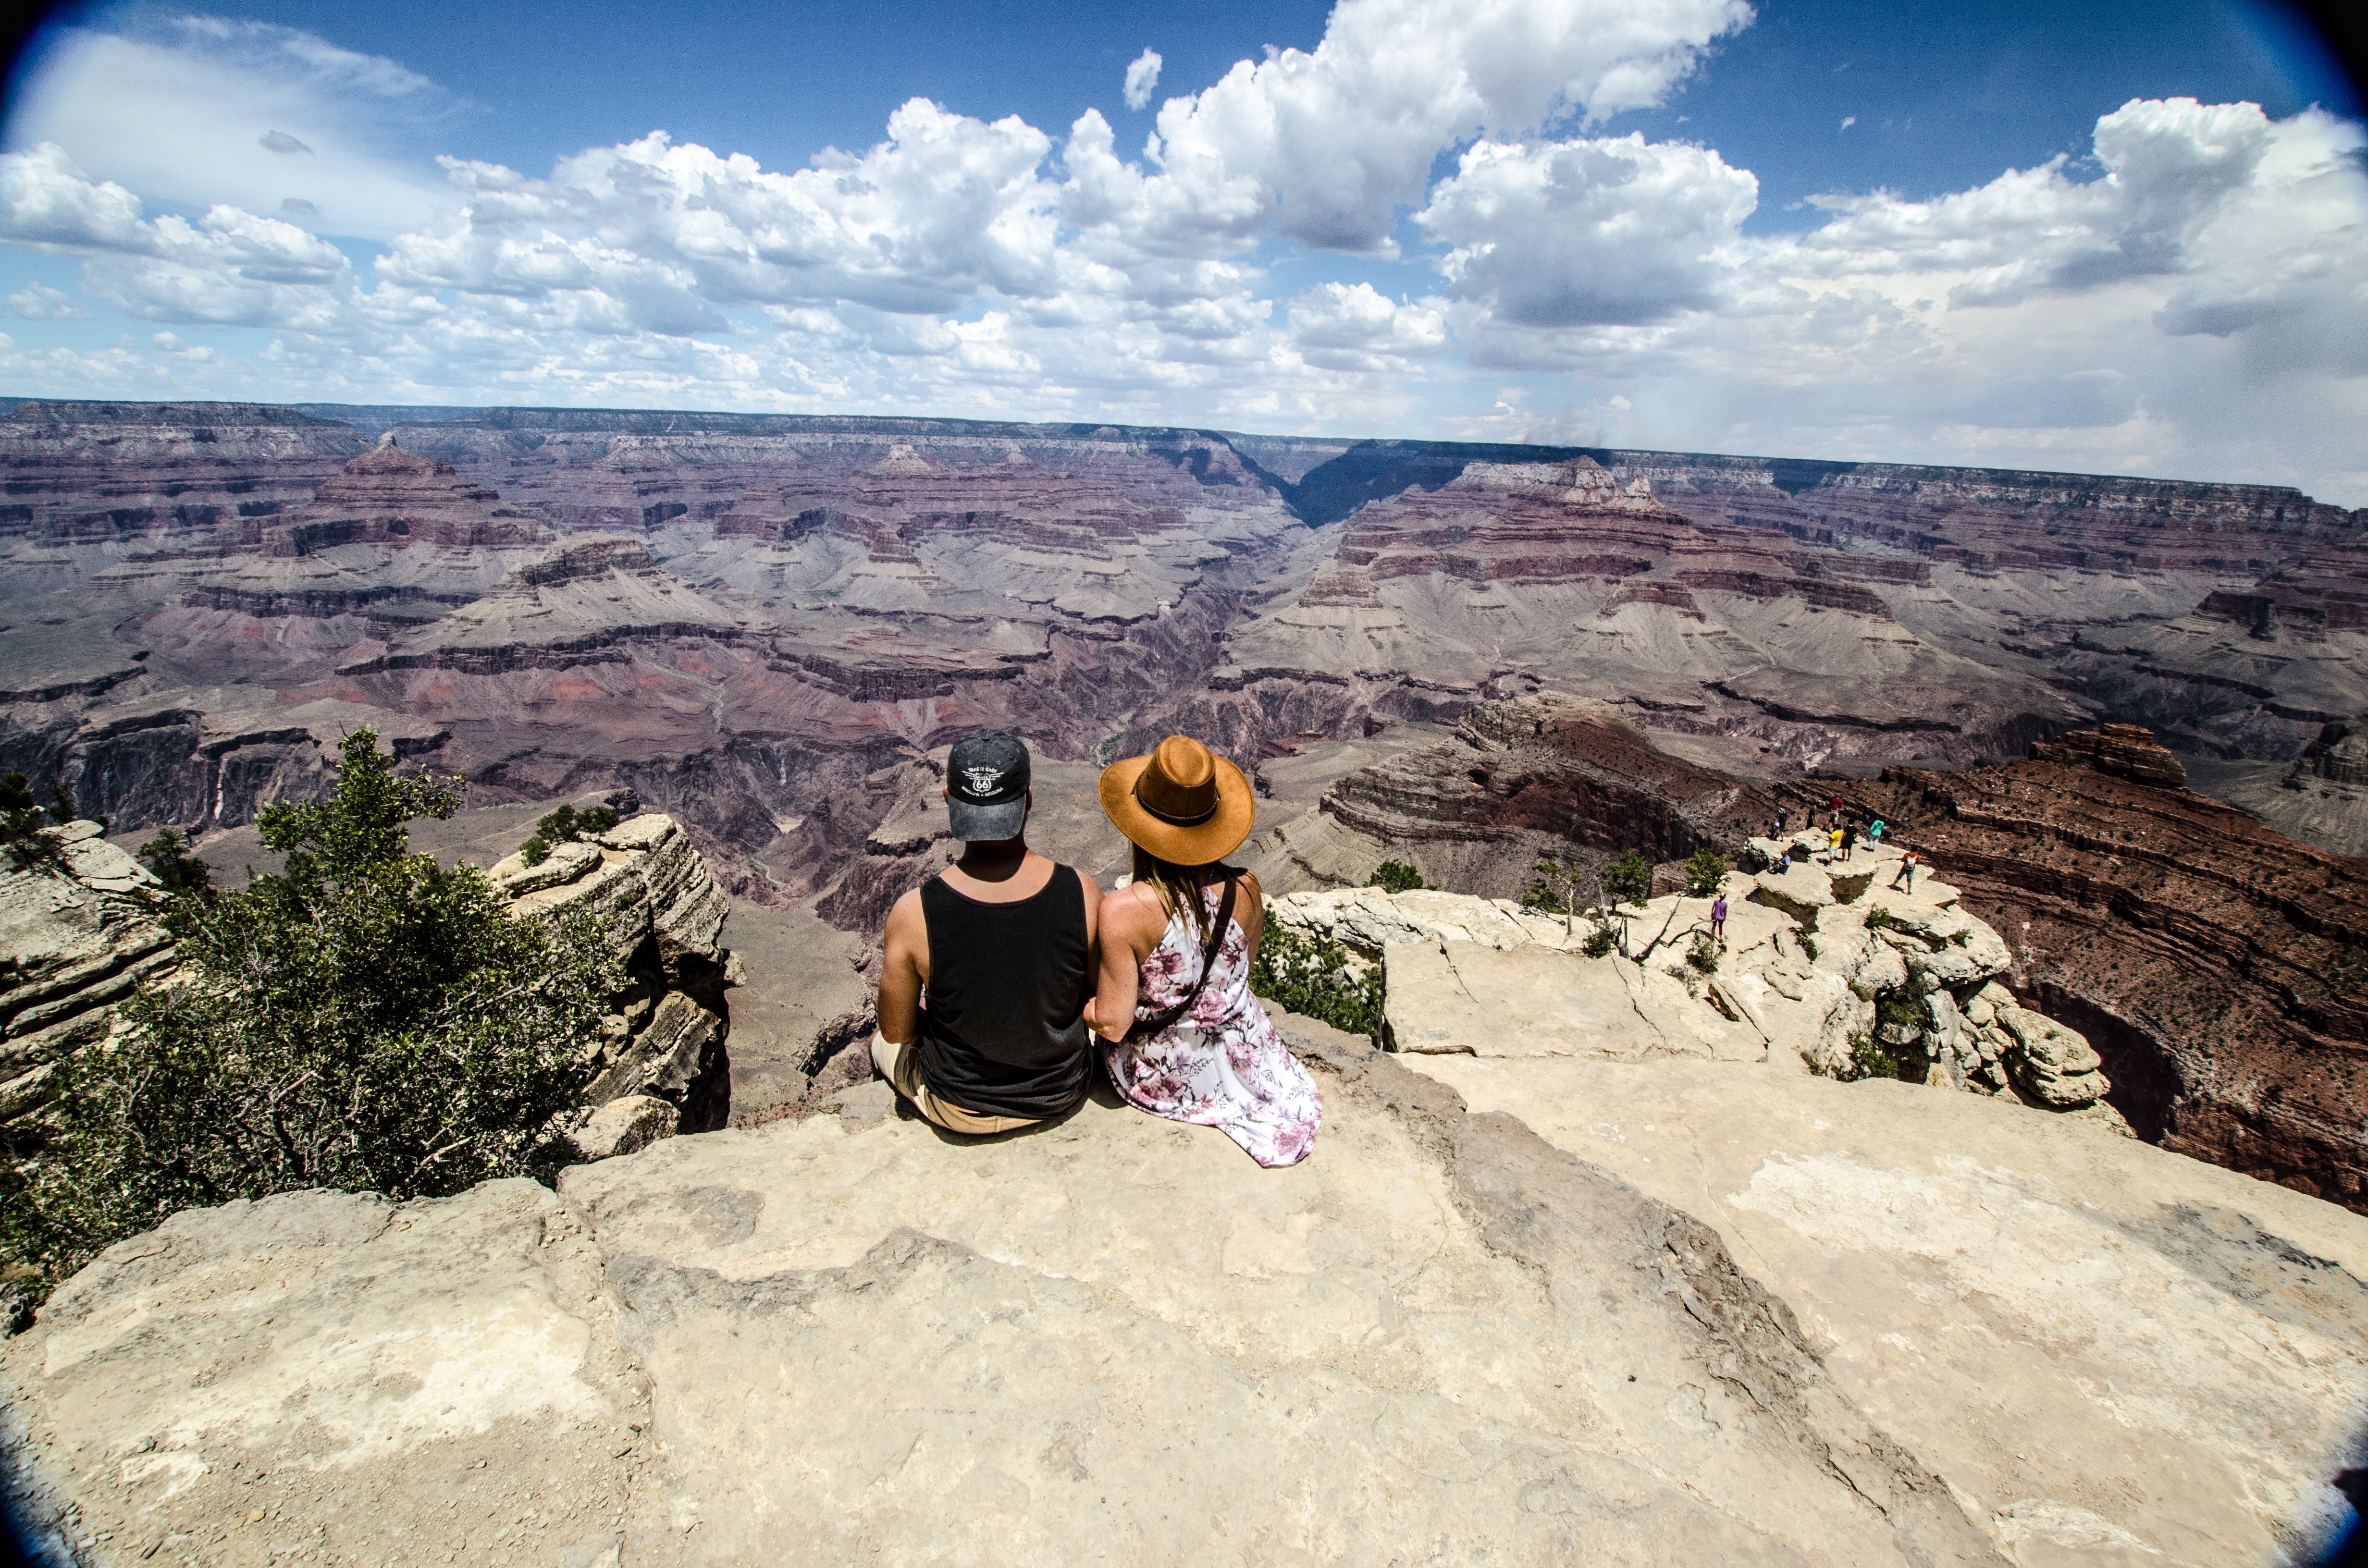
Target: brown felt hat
1181	803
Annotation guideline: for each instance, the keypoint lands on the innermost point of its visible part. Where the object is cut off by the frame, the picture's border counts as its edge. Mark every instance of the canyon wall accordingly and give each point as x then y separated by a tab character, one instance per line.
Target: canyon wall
2219	967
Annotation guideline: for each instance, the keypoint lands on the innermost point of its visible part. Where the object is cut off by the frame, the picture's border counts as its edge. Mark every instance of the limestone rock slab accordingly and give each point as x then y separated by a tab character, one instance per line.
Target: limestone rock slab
230	1387
857	1339
2112	1353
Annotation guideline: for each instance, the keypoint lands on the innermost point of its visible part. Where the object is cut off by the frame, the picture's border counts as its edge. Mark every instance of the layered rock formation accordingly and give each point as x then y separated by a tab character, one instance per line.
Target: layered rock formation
1818	965
1562	574
649	893
1542	775
2217	966
77	936
678	1357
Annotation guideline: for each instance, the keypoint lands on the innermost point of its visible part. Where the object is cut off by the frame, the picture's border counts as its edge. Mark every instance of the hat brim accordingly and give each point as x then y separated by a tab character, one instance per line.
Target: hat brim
974	823
1197	844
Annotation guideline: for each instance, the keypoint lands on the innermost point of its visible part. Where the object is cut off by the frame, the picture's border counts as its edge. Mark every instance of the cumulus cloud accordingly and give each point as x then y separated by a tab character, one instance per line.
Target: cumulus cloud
39	302
1141	76
1329	144
231	267
1351	326
1588	233
2194	301
654	236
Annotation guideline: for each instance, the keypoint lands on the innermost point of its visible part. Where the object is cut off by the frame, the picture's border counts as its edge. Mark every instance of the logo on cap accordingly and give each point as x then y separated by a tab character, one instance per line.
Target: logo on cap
983	780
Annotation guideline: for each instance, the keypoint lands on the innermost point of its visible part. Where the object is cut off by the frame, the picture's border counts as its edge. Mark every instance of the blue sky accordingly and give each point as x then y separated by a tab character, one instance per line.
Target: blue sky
2115	236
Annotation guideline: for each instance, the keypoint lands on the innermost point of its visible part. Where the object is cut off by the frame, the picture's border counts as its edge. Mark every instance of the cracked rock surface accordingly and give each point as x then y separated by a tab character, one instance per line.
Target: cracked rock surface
2112	1354
854	1338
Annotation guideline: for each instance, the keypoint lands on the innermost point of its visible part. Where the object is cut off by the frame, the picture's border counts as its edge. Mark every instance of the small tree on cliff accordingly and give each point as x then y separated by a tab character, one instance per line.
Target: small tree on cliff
1627	880
1705	872
362	1020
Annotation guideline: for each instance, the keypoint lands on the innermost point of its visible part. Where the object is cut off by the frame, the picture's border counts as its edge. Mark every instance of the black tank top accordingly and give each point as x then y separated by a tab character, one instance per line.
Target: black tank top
1004	1032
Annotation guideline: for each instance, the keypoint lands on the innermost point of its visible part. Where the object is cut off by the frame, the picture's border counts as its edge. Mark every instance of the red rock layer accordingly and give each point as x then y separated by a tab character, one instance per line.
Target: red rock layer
1542	775
1575	527
104	471
2002	519
2220	967
389	496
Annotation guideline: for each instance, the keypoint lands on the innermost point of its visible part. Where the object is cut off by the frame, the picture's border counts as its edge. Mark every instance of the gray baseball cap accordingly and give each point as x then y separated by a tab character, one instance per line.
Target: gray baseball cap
986	786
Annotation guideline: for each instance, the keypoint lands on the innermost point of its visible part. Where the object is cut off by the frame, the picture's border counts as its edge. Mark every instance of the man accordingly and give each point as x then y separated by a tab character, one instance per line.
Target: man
1002	943
1905	875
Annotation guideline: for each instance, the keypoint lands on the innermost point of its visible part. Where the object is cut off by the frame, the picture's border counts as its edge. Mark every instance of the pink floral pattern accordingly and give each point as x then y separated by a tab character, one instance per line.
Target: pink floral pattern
1221	1064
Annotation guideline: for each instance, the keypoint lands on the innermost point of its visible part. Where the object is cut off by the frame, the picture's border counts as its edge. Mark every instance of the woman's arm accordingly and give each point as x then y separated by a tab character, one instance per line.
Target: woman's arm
1250	910
1123	947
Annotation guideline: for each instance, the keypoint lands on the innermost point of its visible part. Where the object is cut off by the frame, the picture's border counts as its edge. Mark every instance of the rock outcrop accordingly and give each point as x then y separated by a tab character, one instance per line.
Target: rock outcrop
2125	751
1824	969
77	936
1538	775
850	1336
648	891
2218	967
2112	1353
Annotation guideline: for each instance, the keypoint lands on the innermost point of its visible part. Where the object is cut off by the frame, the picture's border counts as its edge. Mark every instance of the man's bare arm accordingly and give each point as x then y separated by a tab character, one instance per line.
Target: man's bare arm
904	970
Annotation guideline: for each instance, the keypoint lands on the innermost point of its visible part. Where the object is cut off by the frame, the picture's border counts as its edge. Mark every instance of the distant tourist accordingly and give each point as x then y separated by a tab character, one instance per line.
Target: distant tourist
1783	816
1718	919
1850	840
1834	841
1905	876
1188	1041
1784	860
1002	942
1874	835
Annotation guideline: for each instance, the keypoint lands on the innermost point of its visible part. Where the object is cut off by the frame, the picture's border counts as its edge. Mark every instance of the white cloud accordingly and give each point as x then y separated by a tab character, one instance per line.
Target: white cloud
2199	307
201	110
1329	144
1351	326
1588	233
39	302
1142	76
229	267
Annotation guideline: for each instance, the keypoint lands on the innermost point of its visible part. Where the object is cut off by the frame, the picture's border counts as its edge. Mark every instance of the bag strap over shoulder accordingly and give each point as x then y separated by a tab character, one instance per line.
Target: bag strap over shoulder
1165	1017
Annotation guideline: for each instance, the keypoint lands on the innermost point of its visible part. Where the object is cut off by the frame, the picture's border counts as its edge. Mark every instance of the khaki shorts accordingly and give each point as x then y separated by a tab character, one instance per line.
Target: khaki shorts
900	1064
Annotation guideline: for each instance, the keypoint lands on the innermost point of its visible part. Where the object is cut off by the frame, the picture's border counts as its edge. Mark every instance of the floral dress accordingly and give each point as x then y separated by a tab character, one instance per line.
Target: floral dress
1220	1065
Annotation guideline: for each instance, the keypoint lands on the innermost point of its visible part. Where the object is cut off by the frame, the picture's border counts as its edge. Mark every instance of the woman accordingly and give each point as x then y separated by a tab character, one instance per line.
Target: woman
1188	1042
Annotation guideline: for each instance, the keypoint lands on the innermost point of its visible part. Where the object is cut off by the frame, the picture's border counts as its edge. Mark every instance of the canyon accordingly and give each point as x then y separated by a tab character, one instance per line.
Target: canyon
2017	1213
768	627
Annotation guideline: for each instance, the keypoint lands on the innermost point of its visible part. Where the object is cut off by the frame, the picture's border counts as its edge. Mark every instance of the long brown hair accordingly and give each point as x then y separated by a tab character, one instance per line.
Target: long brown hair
1179	887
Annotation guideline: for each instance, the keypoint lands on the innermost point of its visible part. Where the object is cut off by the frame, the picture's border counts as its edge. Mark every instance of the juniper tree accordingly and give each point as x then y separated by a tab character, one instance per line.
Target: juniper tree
1627	880
361	1019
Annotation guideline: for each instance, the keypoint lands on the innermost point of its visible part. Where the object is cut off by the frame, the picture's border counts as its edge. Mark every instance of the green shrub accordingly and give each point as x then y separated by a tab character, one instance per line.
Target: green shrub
1868	1058
1809	946
20	827
1705	870
180	873
1878	917
1703	954
1627	879
1901	1011
1598	943
1396	876
565	825
1555	887
364	1019
1313	976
